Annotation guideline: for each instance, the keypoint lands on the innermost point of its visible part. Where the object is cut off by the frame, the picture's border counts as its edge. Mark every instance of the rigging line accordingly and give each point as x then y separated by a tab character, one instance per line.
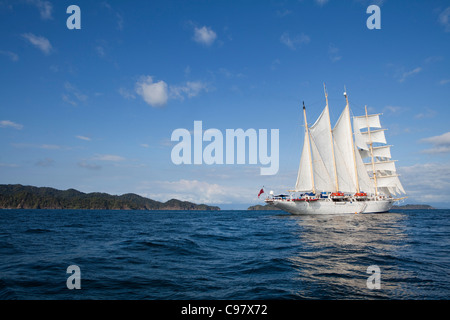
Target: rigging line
296	131
353	105
312	107
356	105
333	117
315	102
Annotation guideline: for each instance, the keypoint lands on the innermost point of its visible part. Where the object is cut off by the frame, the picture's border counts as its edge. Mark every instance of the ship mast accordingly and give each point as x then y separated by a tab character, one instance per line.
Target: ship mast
371	153
331	136
310	155
351	139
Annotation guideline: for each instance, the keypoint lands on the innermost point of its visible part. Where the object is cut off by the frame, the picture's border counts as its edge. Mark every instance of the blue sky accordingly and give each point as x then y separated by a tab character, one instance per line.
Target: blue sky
94	109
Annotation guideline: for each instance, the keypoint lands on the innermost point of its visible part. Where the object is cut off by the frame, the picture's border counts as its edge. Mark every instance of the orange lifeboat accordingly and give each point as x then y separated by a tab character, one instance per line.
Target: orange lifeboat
360	195
337	195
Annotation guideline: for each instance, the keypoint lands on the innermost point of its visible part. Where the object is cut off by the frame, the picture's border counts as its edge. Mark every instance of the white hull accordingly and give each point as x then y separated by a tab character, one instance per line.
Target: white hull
327	206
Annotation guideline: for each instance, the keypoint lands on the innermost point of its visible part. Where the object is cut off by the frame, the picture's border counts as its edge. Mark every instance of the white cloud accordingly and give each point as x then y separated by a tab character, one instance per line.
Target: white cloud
90	166
333	53
189	89
11	55
229	74
45	8
444	19
281	14
294	42
154	93
441	144
157	94
187	71
50	146
204	35
40	146
40	42
9	165
73	94
126	94
66	98
10	124
83	138
443	139
275	63
367	3
47	162
435	150
444	81
117	15
119	21
426	183
198	192
108	157
433	59
321	2
394	109
100	50
428	113
408	74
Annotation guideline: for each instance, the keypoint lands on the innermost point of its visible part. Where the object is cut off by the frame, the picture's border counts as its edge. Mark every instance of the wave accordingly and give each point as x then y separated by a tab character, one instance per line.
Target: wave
37	230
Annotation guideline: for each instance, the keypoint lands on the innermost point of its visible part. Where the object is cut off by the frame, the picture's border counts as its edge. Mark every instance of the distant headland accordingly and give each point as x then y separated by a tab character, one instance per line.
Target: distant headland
16	196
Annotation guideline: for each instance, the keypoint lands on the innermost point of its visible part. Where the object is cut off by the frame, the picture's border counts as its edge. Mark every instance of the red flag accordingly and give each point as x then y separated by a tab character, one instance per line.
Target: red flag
260	192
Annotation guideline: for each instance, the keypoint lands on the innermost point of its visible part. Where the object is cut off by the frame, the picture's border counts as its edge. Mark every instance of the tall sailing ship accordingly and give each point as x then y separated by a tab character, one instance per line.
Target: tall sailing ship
343	170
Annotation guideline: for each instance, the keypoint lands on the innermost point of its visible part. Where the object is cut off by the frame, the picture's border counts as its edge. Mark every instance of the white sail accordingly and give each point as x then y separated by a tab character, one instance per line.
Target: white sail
399	187
365	183
392	182
381	152
360	140
323	156
381	166
382	171
371	121
304	177
344	171
345	164
375	136
387	191
322	179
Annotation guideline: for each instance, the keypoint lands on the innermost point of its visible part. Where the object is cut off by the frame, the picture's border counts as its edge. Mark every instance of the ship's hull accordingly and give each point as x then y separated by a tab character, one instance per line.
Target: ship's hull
327	206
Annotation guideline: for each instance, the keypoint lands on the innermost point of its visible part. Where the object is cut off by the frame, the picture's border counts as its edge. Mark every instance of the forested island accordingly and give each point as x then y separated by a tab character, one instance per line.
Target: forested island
16	196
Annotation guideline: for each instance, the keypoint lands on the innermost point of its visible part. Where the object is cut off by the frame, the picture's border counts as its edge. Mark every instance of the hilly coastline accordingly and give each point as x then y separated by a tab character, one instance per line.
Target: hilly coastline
28	197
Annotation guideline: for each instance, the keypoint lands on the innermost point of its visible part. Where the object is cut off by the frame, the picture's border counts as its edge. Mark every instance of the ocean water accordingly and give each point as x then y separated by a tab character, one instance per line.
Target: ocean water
217	255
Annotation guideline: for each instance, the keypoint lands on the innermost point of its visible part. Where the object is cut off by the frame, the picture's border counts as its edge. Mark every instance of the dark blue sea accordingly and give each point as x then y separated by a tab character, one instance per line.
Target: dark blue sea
216	255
